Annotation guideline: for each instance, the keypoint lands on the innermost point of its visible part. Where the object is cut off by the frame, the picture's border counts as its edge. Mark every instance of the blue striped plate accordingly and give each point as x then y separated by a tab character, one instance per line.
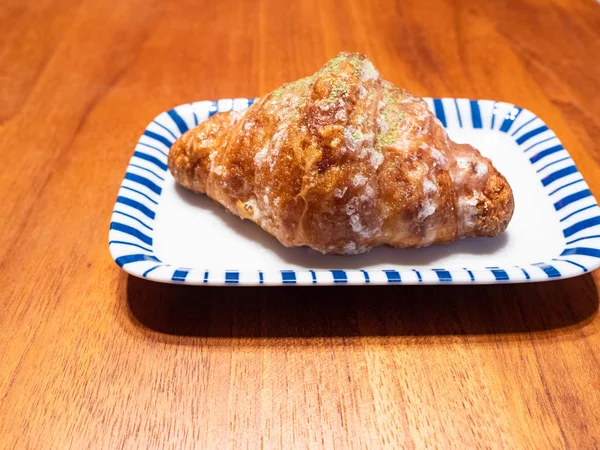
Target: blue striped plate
164	233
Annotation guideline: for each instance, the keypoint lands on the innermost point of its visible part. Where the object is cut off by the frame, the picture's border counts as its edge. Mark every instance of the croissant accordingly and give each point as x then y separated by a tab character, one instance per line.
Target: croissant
344	161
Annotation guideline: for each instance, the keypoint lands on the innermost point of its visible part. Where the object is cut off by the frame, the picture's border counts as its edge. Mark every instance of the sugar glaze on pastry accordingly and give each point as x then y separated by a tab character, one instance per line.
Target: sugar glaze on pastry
344	161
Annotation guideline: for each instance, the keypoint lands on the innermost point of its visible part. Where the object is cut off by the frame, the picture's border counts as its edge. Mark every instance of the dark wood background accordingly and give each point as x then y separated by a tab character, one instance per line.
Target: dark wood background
92	358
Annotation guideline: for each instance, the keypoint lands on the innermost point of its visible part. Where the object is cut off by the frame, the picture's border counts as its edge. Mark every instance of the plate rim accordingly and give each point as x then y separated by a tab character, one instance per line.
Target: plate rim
151	152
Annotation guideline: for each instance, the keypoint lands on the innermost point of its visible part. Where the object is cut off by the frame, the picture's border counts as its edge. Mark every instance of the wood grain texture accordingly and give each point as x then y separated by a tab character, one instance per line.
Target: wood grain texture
92	358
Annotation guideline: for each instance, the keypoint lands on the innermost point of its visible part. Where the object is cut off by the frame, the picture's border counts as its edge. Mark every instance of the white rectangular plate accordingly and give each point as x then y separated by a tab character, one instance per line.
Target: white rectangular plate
165	233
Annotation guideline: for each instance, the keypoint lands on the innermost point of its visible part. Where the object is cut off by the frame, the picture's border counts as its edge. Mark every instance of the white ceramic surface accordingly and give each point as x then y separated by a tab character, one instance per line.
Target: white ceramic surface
181	237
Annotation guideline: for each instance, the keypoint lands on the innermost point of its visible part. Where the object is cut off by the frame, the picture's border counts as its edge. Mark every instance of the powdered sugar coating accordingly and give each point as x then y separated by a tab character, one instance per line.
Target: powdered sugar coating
343	161
481	169
467	207
359	179
429	187
339	193
261	156
368	72
353	138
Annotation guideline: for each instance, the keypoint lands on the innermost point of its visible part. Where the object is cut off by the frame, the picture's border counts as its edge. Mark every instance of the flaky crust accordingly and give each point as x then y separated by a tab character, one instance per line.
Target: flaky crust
344	161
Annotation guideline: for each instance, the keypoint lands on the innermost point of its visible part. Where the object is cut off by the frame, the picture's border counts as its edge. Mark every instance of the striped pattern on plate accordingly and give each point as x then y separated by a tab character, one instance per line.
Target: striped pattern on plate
132	225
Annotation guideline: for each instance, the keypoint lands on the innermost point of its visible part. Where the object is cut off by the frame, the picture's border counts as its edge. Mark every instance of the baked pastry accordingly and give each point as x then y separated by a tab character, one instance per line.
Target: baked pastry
343	161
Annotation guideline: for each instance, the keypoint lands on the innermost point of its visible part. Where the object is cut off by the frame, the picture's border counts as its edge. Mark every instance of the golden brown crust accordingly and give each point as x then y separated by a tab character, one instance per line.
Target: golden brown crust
343	161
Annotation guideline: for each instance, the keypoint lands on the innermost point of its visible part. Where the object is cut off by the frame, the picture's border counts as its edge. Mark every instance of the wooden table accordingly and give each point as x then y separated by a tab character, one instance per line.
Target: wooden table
93	358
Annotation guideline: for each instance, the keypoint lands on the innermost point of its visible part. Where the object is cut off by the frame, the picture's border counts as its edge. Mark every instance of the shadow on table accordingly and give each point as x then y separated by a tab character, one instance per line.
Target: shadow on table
361	311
